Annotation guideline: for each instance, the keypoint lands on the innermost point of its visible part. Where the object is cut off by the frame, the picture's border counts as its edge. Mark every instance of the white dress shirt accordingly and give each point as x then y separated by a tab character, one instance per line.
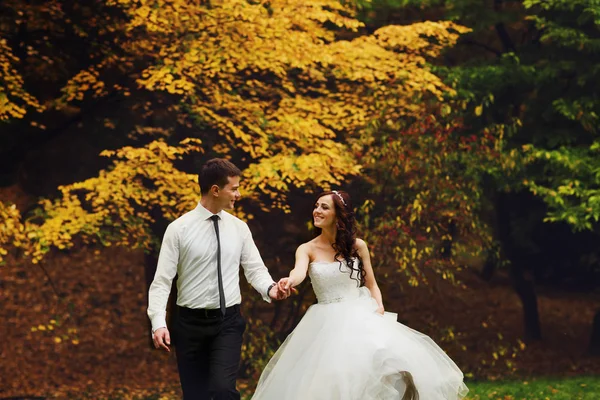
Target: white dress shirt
189	249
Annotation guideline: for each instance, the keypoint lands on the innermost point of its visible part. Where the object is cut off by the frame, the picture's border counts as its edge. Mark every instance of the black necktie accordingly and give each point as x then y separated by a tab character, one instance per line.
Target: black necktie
215	218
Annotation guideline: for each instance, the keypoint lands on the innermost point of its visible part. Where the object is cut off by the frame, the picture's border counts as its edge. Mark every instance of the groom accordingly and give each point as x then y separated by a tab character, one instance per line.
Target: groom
206	247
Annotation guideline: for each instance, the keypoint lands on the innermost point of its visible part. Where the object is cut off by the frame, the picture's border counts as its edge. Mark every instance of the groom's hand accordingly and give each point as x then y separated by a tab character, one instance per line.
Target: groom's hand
277	294
162	339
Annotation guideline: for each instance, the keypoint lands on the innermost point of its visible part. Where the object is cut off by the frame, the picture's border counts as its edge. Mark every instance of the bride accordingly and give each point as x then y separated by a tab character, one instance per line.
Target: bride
346	347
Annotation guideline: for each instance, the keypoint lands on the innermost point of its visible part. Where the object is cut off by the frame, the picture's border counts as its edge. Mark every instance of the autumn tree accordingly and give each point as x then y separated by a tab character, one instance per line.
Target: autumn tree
288	90
424	211
278	111
14	100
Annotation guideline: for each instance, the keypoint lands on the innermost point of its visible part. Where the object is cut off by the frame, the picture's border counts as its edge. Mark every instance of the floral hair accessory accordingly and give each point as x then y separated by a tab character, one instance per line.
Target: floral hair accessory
340	197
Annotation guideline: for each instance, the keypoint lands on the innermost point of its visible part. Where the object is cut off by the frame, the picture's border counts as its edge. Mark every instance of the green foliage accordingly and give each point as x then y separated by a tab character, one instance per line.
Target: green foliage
543	389
541	89
572	188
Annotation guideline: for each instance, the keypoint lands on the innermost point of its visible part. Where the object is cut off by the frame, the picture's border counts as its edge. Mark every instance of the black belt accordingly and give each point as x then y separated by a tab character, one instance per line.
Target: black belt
206	312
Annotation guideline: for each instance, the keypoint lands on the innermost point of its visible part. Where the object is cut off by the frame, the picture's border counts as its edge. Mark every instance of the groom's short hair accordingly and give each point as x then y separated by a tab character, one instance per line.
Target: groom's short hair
216	171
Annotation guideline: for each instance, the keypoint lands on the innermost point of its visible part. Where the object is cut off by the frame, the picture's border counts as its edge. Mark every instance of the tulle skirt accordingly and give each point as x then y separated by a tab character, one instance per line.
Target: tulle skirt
346	351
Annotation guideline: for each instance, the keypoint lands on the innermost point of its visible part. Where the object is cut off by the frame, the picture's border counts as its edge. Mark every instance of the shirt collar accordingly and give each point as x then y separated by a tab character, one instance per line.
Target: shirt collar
205	213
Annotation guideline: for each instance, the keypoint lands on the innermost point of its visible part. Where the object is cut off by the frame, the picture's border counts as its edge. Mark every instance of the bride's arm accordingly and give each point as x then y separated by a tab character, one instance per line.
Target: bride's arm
298	274
370	281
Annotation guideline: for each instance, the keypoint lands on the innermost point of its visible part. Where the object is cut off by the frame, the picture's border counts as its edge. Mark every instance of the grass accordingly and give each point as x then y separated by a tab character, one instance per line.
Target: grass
581	388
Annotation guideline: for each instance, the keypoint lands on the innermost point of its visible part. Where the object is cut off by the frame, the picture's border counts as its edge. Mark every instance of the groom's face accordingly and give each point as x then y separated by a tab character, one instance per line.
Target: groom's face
230	193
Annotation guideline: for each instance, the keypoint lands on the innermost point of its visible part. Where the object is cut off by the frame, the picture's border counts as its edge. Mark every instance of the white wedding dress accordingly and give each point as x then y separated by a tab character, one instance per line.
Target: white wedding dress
343	350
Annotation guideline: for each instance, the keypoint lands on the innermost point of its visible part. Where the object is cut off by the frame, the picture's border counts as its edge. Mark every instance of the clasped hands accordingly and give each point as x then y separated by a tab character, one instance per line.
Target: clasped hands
282	290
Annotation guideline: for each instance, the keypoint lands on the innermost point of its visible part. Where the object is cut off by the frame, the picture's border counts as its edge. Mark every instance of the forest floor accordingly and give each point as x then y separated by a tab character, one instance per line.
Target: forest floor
94	342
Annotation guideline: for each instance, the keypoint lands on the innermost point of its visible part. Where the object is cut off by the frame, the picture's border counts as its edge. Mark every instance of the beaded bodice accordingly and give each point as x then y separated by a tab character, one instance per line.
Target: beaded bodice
332	283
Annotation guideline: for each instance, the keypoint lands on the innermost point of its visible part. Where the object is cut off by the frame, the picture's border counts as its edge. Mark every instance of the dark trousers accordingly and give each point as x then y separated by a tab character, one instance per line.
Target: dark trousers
208	348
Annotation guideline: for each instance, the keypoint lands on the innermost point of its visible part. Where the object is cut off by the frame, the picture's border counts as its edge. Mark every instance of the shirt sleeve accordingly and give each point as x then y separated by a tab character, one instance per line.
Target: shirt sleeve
255	270
158	294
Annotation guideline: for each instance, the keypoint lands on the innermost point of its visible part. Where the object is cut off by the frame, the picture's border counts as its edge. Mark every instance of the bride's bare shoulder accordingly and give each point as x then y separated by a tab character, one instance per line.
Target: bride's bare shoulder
307	249
360	244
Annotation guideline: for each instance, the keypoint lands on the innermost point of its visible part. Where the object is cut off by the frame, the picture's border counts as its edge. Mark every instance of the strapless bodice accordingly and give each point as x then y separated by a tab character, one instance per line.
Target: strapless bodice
332	283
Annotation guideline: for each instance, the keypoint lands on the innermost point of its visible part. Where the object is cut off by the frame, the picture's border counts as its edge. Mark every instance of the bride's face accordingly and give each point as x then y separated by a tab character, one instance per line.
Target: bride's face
324	212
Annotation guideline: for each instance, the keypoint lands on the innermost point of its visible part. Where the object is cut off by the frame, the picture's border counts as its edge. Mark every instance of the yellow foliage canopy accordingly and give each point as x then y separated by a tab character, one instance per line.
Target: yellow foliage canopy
284	94
14	100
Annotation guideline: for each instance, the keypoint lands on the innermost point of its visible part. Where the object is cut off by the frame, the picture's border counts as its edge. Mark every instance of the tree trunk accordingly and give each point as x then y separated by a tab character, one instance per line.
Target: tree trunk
594	349
446	250
149	271
524	286
158	229
276	314
525	289
489	268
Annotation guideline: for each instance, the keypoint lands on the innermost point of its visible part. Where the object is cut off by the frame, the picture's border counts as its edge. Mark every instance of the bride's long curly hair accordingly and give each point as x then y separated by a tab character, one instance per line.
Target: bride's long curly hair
345	238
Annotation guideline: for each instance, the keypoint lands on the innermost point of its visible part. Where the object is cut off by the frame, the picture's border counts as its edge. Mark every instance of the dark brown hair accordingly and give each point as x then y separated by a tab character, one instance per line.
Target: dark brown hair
345	238
216	171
